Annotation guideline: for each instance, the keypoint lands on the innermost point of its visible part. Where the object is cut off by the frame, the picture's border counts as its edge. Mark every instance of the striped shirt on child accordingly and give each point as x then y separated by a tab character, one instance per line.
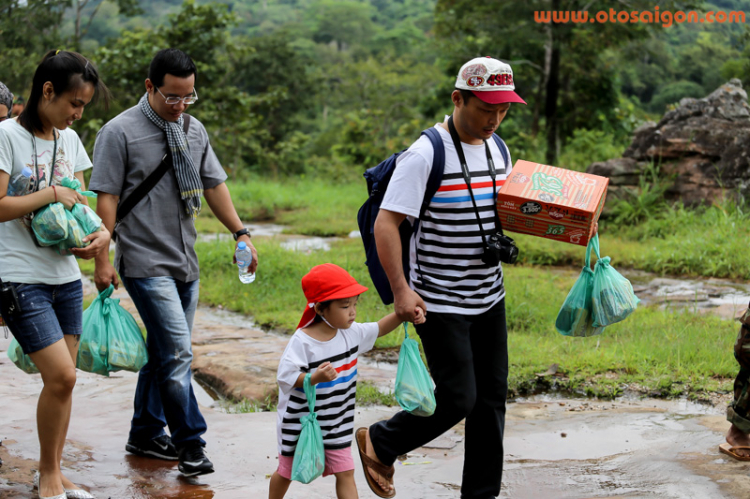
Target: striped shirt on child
335	399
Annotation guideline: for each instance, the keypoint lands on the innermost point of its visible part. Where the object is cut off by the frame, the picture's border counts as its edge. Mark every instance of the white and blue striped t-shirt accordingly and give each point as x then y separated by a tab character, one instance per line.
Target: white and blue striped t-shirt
334	400
448	246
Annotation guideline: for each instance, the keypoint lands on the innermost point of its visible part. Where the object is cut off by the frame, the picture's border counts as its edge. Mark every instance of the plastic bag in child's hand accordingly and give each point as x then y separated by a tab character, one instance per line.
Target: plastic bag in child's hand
613	298
414	390
309	455
576	316
111	339
20	359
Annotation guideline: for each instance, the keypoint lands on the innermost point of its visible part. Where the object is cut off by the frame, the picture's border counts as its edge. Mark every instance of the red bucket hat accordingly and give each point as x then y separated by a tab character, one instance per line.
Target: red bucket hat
326	282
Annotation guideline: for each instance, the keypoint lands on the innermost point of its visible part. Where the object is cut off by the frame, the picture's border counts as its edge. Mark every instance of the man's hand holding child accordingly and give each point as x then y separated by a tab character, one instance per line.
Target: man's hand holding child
324	372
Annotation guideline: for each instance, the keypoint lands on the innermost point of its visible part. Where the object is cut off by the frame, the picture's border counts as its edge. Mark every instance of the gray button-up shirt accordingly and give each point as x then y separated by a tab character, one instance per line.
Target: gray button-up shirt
157	237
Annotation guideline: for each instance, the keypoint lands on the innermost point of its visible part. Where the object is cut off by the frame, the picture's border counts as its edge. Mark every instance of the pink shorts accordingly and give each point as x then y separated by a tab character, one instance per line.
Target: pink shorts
336	461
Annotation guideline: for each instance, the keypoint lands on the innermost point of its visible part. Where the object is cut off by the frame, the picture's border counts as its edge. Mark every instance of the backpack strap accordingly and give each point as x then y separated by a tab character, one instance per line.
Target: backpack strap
503	150
433	184
145	187
436	173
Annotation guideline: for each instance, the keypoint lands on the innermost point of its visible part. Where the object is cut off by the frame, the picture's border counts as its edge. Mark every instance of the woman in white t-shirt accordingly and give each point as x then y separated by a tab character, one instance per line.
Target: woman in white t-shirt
45	315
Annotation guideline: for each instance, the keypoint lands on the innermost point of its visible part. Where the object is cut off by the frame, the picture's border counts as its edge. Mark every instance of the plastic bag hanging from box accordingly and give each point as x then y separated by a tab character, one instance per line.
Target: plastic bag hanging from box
576	316
111	339
613	298
414	391
309	455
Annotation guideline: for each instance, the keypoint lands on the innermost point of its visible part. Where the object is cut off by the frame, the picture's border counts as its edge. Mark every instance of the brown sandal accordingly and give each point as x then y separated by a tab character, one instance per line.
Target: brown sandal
730	451
368	463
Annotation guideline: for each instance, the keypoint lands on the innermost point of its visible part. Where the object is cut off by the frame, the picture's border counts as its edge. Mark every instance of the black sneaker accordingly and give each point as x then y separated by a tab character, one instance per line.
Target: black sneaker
193	461
159	447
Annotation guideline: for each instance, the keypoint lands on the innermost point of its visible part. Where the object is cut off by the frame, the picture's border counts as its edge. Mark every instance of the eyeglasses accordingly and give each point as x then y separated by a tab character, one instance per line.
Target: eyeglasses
171	100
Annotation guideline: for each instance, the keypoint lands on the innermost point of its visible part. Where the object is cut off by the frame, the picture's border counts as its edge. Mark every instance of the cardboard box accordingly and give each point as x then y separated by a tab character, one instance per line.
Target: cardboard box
551	202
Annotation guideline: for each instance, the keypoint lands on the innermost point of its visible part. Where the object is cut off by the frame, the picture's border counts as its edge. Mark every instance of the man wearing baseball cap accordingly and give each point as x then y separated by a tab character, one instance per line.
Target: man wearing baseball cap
456	276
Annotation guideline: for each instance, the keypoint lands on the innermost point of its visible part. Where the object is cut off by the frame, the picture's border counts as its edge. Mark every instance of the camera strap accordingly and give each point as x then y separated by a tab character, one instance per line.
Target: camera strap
467	178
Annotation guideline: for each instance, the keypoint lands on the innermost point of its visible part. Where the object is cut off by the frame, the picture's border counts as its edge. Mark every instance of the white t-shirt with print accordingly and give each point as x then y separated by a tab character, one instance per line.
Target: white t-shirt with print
334	400
21	260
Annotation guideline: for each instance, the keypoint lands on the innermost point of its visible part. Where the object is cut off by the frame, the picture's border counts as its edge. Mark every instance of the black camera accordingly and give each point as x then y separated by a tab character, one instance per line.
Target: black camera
499	248
9	304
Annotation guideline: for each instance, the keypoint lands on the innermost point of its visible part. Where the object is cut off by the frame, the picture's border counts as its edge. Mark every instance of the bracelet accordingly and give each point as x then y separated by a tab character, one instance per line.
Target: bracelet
55	191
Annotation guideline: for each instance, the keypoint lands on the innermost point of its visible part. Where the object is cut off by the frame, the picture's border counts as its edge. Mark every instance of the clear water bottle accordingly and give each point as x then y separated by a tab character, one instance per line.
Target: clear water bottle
19	184
244	258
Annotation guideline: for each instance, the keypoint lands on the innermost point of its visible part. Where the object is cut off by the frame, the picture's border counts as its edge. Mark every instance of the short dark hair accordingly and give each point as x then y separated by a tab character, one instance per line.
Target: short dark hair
174	62
466	94
65	70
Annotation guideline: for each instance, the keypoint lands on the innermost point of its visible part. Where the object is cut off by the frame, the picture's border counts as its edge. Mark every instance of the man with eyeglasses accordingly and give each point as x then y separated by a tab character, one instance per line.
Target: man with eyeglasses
152	220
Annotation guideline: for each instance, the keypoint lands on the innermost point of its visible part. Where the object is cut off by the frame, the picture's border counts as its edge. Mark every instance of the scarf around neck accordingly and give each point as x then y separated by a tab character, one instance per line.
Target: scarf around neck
188	181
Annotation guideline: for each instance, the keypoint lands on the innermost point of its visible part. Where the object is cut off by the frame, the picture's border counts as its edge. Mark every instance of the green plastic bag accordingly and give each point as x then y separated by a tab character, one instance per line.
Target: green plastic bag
64	229
82	220
111	339
50	224
20	359
576	316
612	297
414	391
309	455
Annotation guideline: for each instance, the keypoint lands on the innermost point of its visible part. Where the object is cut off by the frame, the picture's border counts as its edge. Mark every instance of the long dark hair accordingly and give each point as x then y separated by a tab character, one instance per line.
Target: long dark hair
65	70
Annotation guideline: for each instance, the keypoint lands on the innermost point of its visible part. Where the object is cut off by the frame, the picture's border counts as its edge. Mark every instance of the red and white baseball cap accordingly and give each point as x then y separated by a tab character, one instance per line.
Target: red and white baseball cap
327	282
489	79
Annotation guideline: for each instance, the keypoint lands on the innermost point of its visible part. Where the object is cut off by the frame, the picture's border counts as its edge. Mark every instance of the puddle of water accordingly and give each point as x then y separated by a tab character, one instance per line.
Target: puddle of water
722	297
681	407
204	394
223	317
587	430
308	244
299	243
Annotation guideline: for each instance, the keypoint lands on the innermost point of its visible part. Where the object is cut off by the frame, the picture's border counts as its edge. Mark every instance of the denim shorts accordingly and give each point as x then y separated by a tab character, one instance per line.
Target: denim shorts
47	313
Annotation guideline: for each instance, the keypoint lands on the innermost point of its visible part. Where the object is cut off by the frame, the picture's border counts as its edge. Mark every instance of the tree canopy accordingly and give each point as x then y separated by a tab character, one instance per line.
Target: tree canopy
330	87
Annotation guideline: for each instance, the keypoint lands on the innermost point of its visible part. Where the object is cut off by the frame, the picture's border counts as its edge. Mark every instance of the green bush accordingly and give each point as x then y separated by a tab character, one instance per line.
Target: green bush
589	146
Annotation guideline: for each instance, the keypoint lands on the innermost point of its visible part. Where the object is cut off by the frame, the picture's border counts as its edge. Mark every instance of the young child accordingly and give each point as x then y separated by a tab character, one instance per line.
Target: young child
327	343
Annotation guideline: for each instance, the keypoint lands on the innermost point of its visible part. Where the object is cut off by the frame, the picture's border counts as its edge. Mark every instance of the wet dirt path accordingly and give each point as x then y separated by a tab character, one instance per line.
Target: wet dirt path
555	448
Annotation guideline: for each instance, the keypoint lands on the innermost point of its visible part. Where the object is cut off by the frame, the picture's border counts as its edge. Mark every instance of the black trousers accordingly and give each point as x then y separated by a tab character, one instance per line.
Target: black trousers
468	360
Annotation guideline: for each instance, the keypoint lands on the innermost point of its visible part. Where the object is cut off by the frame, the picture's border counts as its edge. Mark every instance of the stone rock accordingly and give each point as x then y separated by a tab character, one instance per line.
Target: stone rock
702	144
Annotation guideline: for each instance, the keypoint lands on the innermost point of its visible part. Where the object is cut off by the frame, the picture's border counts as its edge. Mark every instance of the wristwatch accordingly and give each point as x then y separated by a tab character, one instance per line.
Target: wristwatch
243	231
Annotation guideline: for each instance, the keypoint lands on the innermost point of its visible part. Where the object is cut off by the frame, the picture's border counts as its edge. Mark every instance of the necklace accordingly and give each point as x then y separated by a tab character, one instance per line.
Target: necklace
36	159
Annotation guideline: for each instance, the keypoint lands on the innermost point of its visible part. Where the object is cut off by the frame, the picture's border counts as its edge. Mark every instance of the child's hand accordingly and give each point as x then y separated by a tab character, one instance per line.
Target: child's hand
324	372
419	316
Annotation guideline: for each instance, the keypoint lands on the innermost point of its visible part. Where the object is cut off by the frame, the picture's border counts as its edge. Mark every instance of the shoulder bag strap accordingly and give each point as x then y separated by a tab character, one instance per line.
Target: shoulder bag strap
433	184
145	187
